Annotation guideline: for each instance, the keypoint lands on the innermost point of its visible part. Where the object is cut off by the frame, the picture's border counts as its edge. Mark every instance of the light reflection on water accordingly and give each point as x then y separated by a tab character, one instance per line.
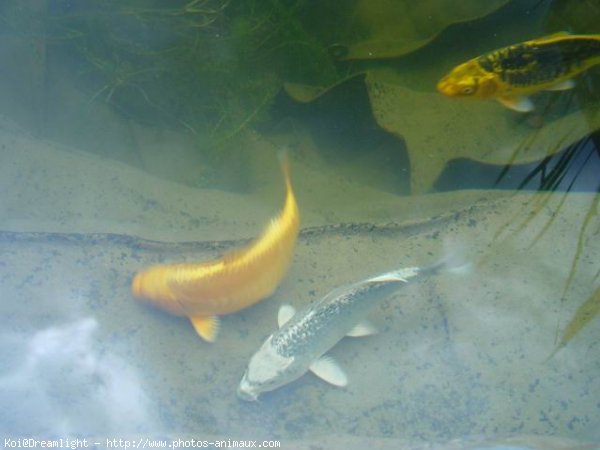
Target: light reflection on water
63	384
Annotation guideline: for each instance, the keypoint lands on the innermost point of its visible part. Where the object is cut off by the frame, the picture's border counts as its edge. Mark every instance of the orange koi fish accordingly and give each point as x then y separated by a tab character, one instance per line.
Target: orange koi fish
202	291
510	74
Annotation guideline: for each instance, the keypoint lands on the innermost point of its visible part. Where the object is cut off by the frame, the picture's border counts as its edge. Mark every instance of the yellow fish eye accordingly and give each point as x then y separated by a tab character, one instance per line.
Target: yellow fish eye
467	90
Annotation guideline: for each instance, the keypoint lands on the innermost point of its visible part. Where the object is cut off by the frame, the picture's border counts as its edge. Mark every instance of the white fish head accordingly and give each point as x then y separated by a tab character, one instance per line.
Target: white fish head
267	370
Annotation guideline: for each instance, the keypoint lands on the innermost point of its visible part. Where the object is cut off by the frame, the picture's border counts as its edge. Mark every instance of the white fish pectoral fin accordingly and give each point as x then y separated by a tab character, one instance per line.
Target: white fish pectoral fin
286	312
519	104
329	370
562	86
207	327
364	328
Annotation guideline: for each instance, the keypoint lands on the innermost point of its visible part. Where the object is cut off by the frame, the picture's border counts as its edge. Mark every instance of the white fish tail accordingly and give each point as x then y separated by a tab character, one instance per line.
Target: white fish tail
454	261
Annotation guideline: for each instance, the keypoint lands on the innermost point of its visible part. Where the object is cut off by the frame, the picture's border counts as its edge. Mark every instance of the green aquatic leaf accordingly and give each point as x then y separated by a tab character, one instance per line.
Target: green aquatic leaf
437	129
583	316
575	15
391	28
303	93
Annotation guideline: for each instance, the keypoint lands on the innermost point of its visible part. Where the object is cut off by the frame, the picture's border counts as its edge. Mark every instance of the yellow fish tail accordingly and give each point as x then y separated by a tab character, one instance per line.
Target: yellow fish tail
284	162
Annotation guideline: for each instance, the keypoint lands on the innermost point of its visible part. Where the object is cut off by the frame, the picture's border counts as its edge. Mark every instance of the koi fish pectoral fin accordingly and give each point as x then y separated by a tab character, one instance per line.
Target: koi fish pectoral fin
207	327
519	104
562	86
285	313
328	370
364	328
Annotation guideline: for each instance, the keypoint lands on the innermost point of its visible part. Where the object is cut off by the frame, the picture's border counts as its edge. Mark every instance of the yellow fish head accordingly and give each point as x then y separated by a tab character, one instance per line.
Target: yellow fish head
468	80
151	286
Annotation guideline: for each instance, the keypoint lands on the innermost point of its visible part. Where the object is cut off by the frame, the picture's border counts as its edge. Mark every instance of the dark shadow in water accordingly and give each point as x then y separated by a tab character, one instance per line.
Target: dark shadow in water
345	133
573	169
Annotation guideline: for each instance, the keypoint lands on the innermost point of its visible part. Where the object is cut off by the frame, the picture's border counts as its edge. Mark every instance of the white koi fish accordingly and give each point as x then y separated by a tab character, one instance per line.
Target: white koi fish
302	339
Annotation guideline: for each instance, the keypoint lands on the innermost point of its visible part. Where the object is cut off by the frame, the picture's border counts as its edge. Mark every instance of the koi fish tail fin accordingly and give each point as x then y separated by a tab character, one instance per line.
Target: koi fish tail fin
455	260
284	162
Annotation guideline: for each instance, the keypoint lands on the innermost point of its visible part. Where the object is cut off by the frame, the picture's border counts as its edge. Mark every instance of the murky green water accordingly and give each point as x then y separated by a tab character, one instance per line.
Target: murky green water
134	133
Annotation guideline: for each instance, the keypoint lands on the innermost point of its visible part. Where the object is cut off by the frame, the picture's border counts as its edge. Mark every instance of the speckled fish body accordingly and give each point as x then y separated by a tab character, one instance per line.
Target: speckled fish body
289	352
511	73
202	291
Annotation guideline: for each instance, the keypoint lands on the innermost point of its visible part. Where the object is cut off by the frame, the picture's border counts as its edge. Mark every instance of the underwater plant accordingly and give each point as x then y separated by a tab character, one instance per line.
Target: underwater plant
211	67
558	174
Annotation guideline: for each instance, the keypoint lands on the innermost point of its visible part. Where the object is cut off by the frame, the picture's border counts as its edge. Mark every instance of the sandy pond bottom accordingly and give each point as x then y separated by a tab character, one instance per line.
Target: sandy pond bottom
459	360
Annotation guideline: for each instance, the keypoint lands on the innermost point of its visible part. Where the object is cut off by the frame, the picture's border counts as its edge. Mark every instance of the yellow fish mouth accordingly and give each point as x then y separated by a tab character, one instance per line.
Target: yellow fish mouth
150	286
136	286
445	87
244	392
448	86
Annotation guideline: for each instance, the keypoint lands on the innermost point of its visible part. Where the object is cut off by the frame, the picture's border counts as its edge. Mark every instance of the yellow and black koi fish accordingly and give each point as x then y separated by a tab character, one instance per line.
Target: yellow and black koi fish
510	74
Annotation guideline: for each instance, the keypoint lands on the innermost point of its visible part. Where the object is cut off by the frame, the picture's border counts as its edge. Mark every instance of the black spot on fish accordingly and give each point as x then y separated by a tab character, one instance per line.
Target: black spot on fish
534	63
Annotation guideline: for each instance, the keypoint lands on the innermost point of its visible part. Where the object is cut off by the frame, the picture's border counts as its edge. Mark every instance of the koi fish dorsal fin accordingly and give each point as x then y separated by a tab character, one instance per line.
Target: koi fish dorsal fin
233	255
206	327
551	37
557	34
329	370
